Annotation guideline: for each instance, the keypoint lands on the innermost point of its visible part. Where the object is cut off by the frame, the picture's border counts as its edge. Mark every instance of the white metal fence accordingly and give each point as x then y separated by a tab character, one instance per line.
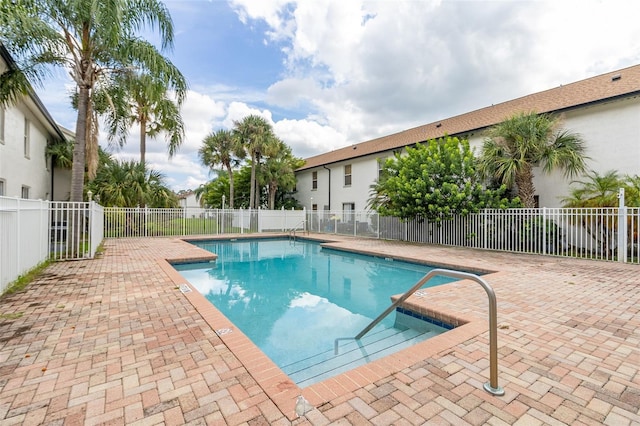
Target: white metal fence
32	231
145	222
603	233
77	229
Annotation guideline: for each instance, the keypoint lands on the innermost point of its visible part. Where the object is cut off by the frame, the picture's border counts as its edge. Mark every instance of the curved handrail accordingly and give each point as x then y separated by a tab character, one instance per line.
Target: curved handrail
292	231
492	386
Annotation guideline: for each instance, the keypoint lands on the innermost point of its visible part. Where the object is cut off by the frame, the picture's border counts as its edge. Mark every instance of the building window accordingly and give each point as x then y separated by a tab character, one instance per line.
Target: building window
381	163
314	207
26	139
314	180
347	175
1	125
1	187
25	192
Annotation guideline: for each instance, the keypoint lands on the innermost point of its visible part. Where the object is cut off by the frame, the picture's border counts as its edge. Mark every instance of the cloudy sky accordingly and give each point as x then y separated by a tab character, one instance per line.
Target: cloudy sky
332	73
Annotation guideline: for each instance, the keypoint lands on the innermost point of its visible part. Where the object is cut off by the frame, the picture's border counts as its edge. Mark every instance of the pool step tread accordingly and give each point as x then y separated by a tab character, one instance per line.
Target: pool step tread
347	361
345	346
351	354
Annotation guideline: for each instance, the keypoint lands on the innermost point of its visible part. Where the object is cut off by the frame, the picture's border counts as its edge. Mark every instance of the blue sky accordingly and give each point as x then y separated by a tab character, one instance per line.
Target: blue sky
329	73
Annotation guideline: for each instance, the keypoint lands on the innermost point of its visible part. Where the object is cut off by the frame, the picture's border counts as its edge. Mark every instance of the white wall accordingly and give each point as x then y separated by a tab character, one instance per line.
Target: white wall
189	201
16	169
364	171
612	134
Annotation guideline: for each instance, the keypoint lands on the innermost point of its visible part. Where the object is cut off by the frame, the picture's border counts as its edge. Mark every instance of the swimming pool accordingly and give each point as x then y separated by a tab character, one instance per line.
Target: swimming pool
293	299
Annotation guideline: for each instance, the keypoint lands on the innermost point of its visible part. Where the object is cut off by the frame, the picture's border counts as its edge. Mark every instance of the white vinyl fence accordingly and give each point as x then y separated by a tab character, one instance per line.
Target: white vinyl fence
24	237
32	231
603	233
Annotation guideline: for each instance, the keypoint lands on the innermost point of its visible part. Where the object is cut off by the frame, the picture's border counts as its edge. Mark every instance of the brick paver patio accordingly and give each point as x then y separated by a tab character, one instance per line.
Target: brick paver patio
115	341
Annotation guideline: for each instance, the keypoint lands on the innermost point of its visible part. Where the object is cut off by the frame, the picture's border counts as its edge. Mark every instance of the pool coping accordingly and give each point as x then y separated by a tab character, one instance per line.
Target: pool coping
277	385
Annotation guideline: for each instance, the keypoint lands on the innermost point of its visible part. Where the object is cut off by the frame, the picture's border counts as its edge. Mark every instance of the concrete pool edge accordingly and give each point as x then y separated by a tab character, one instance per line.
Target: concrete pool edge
280	388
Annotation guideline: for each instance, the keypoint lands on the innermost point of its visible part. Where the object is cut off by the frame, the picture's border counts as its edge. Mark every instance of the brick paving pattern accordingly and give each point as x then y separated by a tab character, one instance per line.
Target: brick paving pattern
114	341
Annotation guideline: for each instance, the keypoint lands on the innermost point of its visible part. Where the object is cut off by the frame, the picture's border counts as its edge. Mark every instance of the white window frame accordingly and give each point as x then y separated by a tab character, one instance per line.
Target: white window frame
348	176
27	138
3	185
314	181
24	192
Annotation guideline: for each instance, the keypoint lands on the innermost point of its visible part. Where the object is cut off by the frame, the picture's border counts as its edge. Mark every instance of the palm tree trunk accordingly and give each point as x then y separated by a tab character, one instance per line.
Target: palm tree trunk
91	143
526	189
273	189
230	186
143	139
252	190
79	146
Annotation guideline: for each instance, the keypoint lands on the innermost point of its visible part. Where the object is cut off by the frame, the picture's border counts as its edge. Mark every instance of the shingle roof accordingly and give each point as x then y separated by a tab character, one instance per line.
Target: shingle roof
615	84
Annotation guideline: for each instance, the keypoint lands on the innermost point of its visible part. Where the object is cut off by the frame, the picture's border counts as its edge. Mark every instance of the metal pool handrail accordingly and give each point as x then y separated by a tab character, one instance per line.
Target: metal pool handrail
492	386
292	231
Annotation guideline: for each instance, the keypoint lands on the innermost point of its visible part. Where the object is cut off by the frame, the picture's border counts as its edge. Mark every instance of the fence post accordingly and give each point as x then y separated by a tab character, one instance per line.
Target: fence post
18	233
45	246
90	229
484	225
622	227
544	230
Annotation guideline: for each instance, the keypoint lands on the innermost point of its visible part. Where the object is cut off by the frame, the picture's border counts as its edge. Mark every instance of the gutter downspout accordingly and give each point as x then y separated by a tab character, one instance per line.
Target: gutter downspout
329	170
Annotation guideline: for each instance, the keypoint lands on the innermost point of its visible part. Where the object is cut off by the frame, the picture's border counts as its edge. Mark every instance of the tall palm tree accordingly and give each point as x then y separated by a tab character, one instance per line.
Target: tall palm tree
222	147
91	39
256	134
278	171
144	99
526	140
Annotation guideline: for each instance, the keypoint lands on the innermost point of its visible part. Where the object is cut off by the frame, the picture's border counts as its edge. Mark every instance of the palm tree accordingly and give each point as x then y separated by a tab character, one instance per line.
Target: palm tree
596	191
143	99
92	40
256	135
62	154
278	171
526	140
131	184
222	147
632	191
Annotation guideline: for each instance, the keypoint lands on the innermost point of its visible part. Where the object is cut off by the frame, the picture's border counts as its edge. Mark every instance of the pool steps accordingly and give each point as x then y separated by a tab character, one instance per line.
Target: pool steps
382	341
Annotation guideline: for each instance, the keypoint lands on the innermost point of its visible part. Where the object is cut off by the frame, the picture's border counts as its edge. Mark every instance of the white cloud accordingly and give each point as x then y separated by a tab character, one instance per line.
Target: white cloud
200	113
238	110
307	138
370	68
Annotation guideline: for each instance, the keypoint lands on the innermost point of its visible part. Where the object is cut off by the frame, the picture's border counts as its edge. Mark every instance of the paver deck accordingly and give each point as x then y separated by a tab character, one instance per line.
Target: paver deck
115	341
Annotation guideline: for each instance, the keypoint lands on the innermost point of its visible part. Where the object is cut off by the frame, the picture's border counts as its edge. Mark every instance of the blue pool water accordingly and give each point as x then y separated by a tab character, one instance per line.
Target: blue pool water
293	299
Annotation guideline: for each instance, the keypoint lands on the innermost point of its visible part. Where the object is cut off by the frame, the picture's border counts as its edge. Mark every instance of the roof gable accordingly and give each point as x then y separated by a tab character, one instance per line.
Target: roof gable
615	84
33	102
